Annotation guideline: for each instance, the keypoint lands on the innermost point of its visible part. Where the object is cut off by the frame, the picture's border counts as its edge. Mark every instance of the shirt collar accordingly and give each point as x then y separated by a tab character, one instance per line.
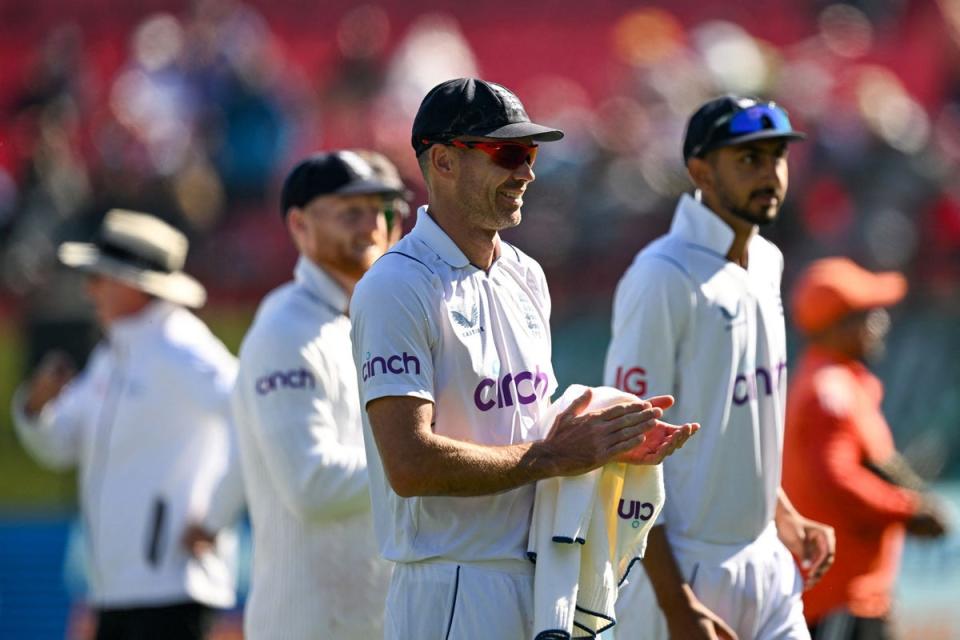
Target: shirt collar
696	223
429	232
319	283
125	330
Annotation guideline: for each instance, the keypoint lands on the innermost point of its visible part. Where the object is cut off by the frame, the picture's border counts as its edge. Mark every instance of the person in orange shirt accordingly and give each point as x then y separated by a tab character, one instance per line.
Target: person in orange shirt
840	465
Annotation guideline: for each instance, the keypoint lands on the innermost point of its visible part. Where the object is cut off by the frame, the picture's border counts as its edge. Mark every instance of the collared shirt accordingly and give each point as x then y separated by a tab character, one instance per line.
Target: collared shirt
835	428
690	323
316	570
147	423
428	324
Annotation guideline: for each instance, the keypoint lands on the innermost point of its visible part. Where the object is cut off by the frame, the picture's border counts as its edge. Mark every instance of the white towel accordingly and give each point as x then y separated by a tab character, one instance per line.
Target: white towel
586	533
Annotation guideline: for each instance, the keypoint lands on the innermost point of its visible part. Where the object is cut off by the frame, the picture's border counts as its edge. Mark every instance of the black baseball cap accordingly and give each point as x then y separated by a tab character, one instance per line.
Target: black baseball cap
730	119
342	173
472	107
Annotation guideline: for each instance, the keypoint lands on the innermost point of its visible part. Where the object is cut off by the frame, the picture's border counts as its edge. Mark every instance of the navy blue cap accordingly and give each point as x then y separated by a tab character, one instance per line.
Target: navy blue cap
472	107
730	120
341	173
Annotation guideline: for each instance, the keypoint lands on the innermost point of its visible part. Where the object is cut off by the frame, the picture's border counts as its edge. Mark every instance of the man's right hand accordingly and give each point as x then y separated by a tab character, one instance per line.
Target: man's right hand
580	442
55	370
930	521
694	621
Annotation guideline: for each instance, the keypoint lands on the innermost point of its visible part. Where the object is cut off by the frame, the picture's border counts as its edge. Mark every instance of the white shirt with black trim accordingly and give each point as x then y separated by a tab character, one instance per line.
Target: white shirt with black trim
316	567
689	322
428	324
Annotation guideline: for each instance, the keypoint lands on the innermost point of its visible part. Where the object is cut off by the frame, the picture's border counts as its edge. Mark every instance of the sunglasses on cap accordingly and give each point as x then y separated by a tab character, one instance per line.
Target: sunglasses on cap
509	155
764	117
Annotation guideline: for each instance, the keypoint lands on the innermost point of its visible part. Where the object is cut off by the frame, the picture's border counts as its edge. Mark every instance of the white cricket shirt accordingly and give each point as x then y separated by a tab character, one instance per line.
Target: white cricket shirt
428	324
688	322
316	566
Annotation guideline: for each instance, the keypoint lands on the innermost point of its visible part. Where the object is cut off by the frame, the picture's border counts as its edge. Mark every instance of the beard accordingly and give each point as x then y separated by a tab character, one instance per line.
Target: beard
350	262
760	216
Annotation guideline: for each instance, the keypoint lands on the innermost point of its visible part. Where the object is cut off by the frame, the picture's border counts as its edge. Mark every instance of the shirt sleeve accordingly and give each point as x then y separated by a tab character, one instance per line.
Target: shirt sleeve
836	451
293	425
228	499
54	435
394	335
651	311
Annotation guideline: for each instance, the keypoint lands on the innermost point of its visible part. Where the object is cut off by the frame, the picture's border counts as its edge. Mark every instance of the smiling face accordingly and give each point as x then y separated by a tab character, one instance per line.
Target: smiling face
747	181
489	195
343	234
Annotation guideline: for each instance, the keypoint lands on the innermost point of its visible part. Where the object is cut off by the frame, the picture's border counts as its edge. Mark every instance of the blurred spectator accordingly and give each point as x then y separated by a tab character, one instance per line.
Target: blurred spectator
840	465
146	424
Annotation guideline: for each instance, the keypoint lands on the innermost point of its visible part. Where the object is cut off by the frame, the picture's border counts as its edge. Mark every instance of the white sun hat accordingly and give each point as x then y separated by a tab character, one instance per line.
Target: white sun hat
140	250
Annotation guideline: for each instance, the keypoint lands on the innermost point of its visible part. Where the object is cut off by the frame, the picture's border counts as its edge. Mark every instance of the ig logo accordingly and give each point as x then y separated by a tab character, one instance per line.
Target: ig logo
633	380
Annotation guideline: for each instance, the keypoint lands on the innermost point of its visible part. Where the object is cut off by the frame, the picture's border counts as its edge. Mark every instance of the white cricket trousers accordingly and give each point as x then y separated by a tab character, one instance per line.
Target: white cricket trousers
442	600
754	588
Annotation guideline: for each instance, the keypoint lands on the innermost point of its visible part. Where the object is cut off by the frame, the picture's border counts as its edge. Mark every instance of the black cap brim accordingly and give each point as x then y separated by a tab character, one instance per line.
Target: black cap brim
368	187
532	130
793	136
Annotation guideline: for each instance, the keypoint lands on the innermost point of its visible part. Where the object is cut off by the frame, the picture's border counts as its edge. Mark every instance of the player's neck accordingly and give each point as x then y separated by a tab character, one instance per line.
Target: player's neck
743	232
480	246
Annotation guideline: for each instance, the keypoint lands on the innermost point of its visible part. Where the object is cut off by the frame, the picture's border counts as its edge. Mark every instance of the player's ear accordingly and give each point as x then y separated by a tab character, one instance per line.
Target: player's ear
701	173
443	160
296	224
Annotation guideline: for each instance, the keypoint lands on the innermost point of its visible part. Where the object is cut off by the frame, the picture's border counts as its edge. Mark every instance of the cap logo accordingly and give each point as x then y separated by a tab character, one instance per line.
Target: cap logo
357	164
511	104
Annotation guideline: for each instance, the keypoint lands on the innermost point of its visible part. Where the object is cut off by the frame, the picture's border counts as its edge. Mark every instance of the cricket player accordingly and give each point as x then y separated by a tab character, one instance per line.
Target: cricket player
451	338
698	315
316	569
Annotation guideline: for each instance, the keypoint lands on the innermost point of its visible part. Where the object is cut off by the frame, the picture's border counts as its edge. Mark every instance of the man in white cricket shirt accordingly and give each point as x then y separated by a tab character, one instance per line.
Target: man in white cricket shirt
451	338
316	570
699	315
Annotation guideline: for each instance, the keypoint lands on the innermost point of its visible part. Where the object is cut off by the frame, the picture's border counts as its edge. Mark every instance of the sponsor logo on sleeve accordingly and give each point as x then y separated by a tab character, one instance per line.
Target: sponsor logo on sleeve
290	379
511	389
632	380
391	364
636	511
751	385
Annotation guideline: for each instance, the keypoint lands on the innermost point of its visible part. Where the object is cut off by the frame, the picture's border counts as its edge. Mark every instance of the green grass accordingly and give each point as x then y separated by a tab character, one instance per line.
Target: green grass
24	485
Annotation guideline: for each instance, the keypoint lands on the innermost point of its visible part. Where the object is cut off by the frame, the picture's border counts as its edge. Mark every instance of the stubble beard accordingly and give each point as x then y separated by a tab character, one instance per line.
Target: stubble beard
762	218
353	264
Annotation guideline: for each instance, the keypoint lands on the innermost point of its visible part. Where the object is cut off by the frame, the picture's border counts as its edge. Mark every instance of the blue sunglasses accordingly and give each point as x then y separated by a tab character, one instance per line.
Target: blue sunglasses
766	117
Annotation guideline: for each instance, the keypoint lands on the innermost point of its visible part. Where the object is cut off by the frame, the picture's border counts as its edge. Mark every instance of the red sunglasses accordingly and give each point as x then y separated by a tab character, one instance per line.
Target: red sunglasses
509	155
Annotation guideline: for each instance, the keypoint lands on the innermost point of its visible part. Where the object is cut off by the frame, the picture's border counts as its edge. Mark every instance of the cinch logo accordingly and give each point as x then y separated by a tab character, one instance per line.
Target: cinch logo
747	385
391	364
632	381
635	511
292	379
525	386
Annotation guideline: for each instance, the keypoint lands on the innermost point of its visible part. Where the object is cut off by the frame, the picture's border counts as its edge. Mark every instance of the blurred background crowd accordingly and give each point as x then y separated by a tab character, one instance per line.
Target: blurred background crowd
195	110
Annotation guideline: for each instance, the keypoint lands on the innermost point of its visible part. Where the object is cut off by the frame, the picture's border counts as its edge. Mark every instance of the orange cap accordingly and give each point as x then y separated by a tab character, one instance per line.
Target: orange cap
832	288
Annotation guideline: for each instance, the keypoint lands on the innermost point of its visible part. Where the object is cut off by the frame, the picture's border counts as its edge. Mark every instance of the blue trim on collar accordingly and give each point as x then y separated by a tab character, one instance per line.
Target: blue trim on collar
407	255
432	234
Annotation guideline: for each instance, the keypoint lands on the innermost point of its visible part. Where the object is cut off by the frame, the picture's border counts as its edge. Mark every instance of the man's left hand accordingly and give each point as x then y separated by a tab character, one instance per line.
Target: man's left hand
811	542
197	540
